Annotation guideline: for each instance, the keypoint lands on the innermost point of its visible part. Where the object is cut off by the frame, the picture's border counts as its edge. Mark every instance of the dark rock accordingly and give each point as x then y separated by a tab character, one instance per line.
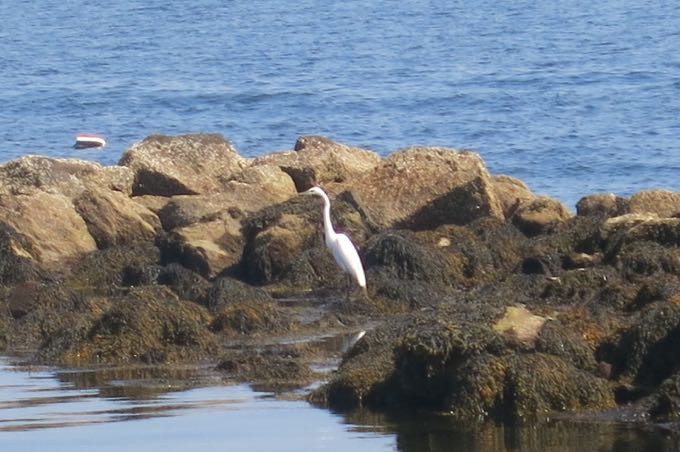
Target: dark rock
251	318
454	362
148	325
646	353
52	308
665	404
226	291
561	340
272	369
108	270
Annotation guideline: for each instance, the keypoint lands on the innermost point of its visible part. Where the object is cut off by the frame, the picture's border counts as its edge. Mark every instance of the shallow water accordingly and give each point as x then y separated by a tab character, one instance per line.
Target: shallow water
572	99
163	409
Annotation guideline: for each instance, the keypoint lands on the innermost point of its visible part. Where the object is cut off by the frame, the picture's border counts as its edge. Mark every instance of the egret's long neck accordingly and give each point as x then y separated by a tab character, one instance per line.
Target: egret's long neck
327	225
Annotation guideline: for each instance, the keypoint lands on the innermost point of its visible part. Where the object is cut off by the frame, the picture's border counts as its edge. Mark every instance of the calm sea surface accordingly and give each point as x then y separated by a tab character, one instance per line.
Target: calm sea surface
572	98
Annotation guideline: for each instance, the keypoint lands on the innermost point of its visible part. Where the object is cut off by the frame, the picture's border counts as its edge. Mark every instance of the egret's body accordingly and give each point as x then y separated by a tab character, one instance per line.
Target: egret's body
342	248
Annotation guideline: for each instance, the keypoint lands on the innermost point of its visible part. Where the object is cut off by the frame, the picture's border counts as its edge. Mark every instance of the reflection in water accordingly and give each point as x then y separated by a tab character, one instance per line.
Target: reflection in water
39	398
430	433
192	408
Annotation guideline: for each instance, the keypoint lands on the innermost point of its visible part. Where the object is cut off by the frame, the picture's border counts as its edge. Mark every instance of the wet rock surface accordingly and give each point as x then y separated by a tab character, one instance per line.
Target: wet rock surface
484	301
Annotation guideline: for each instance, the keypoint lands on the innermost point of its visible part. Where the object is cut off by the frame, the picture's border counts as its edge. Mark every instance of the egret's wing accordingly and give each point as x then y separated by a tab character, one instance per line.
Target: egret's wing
347	257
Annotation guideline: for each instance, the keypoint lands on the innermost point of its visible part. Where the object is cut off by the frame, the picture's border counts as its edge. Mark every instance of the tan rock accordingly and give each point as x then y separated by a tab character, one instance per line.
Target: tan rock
422	188
186	164
318	160
511	192
114	219
607	204
519	325
54	231
625	222
540	215
209	247
664	203
207	228
61	176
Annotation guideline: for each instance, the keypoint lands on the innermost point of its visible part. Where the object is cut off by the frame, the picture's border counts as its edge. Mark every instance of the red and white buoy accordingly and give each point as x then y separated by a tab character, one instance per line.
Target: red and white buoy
89	140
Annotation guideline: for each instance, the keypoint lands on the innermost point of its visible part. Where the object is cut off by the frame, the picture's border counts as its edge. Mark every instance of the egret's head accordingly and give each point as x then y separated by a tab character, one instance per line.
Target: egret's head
314	191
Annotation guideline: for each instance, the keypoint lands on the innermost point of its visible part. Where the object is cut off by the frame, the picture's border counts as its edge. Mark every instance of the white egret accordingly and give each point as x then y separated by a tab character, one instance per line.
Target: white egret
344	251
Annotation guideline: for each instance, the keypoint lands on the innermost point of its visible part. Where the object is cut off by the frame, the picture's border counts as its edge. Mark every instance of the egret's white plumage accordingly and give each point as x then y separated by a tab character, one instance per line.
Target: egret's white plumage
344	251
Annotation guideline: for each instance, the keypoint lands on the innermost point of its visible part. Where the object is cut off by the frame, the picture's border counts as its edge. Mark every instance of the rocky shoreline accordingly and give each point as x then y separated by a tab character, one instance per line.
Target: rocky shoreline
485	300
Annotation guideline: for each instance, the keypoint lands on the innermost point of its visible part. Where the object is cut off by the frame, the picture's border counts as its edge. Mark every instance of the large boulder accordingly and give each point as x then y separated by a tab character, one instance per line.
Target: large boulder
285	243
603	204
511	192
181	165
206	247
68	177
453	361
422	188
318	160
148	325
664	203
113	218
205	230
53	230
540	215
17	265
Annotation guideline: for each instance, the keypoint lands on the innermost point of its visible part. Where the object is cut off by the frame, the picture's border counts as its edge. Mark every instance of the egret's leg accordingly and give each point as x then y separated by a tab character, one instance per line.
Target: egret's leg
349	287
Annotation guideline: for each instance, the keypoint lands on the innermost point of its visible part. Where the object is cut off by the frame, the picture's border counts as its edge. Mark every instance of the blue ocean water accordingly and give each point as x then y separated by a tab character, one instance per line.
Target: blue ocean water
572	97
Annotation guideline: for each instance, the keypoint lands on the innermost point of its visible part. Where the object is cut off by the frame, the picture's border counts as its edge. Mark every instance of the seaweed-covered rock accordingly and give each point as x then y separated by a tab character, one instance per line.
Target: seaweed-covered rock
283	367
41	310
148	325
454	362
540	215
318	160
560	339
187	284
107	270
407	259
226	291
646	353
646	258
539	384
181	165
664	405
422	188
251	318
